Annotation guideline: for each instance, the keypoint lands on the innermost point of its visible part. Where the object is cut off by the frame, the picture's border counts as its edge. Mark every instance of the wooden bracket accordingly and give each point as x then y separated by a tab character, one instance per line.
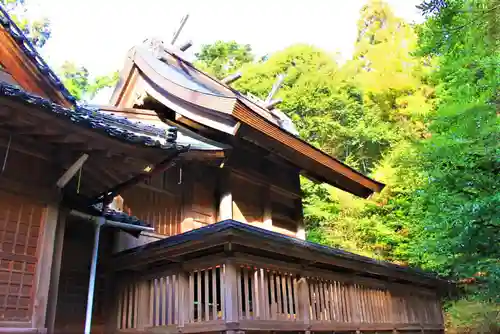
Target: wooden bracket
72	170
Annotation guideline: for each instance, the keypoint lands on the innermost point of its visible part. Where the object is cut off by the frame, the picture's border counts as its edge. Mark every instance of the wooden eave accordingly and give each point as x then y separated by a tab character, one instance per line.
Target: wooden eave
25	72
35	130
267	133
229	237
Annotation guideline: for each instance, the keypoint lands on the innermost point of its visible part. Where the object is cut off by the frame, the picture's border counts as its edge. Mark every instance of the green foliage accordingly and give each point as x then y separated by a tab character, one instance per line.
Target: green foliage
38	31
470	316
78	82
223	58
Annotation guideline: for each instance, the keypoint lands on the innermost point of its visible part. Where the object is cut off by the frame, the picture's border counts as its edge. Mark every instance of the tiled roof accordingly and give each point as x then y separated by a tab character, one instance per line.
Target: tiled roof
198	235
124	218
117	127
30	51
83	204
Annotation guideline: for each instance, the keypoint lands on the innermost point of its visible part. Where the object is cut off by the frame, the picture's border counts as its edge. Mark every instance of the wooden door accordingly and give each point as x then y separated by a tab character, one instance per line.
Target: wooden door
20	229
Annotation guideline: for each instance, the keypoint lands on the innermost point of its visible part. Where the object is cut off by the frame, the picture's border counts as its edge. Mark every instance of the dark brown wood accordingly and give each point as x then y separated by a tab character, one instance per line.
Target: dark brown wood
56	271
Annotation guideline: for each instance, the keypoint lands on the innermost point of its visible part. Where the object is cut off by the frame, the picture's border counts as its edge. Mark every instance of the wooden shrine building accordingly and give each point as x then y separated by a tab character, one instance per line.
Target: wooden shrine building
175	209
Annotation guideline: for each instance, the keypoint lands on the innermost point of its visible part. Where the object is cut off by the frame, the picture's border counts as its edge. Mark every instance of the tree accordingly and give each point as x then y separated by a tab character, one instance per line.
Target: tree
38	31
78	82
223	58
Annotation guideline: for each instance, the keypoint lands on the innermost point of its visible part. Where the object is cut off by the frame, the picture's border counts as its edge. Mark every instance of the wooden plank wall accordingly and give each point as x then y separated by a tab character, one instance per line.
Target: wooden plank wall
199	195
20	230
248	205
160	209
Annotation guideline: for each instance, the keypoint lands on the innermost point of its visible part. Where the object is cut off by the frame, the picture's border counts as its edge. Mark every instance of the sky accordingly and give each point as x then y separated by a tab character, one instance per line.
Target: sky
98	33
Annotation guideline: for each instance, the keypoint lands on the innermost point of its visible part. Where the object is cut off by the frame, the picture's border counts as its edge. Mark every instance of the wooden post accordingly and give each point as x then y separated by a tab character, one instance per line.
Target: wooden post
267	218
56	271
303	301
299	217
226	197
44	266
230	292
183	301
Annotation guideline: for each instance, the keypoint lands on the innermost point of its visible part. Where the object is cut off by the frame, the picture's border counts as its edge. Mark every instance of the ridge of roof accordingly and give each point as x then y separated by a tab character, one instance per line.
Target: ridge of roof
107	124
25	44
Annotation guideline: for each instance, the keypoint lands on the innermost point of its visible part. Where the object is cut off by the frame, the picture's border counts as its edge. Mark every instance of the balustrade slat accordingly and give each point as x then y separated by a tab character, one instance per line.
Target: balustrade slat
214	293
285	297
190	305
329	300
222	287
295	296
136	305
199	317
272	281
265	290
255	295
365	304
289	296
279	295
247	293
130	306
206	296
381	306
239	296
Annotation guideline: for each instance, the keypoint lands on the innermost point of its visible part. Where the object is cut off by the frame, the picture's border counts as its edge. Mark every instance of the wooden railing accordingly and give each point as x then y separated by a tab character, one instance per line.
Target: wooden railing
258	297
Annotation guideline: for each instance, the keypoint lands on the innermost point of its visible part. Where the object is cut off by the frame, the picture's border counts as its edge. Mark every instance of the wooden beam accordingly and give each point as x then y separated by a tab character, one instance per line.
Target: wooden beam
72	170
186	45
56	272
267	218
301	228
226	196
44	266
231	78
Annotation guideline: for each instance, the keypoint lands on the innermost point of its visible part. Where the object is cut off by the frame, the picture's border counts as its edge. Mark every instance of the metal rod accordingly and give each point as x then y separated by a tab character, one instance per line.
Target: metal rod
93	268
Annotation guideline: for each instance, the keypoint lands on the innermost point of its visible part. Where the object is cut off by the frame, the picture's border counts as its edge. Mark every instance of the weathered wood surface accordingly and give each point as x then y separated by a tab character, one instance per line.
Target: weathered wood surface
248	294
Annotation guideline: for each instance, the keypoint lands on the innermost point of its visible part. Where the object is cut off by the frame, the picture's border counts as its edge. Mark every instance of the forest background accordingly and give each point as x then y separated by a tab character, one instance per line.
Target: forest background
417	107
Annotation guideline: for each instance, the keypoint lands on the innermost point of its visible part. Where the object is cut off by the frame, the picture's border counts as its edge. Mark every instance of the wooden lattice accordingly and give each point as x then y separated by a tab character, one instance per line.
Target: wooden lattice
20	226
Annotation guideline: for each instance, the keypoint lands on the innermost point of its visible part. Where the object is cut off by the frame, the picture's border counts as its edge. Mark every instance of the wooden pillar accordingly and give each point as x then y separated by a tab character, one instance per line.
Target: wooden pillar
230	292
183	301
299	217
303	302
226	197
44	266
267	218
56	271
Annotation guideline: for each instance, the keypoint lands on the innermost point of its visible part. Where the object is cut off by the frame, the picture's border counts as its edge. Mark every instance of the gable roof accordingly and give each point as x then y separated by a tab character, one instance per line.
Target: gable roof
29	68
197	96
